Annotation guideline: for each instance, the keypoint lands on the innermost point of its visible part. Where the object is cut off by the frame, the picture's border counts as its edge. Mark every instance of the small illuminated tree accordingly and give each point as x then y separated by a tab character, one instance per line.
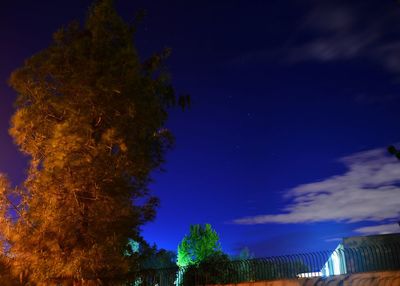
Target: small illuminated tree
201	243
200	251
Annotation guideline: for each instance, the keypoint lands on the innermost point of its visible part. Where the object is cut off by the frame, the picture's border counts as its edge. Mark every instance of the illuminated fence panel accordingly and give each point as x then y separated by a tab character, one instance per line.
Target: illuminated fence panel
325	263
336	263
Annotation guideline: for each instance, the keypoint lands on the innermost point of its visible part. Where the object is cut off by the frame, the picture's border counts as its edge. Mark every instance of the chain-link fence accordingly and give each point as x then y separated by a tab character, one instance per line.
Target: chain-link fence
315	264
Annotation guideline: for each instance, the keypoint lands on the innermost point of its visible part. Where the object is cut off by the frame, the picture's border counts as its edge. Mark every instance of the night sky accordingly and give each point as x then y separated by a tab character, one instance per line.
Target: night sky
293	105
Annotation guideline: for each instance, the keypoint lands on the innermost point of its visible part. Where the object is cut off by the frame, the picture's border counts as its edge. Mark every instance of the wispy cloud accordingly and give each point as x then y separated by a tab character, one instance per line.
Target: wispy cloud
336	239
368	191
340	30
379	229
349	30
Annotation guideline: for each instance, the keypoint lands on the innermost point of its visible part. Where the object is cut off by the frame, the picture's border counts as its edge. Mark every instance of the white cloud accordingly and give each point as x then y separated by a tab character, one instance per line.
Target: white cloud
379	229
368	191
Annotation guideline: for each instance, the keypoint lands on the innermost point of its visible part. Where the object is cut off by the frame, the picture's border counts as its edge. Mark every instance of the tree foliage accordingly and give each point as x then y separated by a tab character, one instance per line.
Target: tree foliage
160	259
394	151
200	256
90	115
201	242
214	269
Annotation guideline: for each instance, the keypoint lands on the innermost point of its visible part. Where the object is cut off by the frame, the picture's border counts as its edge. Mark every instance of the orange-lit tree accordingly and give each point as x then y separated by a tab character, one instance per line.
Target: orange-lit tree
90	115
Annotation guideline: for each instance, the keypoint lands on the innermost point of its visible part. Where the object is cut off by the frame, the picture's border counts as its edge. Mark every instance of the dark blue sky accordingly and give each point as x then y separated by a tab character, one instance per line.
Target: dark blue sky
293	104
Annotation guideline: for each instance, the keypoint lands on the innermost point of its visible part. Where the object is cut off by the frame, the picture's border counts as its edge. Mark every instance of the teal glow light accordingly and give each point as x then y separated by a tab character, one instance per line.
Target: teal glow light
336	264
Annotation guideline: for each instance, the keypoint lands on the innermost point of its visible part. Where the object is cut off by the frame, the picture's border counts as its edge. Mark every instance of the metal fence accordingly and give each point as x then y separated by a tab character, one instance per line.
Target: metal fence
316	264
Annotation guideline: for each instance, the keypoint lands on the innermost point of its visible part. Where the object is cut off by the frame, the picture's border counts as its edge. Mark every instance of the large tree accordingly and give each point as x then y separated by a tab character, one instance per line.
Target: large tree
90	114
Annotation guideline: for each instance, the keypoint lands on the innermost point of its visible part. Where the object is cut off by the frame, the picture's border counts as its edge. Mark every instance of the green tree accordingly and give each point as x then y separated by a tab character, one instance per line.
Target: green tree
200	257
90	115
201	242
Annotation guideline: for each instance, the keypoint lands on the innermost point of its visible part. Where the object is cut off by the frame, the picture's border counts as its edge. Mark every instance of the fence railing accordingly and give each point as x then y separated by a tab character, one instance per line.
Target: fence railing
323	263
